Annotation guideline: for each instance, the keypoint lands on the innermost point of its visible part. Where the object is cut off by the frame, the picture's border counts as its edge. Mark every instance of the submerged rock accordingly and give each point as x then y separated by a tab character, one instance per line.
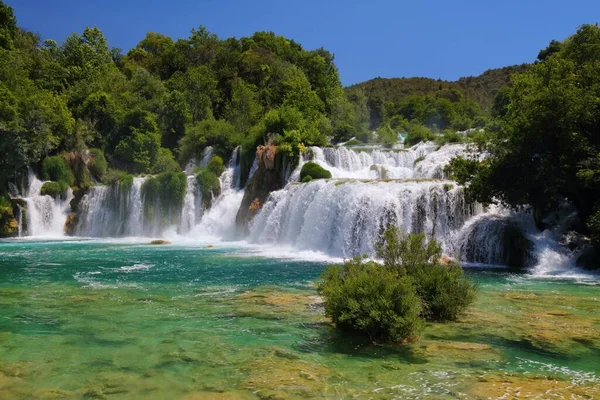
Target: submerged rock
159	242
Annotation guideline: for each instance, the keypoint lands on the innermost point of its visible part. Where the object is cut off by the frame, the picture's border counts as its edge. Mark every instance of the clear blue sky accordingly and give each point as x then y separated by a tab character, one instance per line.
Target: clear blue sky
387	38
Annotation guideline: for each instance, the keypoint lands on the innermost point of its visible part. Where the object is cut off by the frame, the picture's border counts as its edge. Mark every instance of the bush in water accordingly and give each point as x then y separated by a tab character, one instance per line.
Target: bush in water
391	301
372	299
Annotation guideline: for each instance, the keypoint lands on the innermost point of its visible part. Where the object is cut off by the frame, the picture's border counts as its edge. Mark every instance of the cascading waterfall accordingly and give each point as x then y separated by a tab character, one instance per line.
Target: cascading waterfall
370	190
345	218
46	216
110	211
191	212
420	161
219	220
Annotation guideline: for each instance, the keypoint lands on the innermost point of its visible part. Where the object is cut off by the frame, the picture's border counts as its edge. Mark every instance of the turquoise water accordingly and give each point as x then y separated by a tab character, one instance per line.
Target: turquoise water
112	319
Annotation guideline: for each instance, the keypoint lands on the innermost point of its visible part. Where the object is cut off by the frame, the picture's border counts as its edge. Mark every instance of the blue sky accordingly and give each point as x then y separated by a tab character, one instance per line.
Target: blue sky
436	39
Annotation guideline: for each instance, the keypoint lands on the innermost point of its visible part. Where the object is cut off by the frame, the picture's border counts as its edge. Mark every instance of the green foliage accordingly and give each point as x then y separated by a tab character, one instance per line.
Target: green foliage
8	26
209	184
167	190
371	299
218	133
54	189
215	165
97	163
387	135
544	146
116	177
165	162
417	134
56	169
307	179
315	171
391	301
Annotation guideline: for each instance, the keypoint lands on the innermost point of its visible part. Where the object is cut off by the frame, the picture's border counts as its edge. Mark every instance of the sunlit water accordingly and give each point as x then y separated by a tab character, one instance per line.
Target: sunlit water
122	319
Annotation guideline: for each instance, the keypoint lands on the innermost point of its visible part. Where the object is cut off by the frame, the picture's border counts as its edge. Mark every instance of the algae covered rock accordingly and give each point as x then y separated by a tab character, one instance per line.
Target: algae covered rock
160	242
315	171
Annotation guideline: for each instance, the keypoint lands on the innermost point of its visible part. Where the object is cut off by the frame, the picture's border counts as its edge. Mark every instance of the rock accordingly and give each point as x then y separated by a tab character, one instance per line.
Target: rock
159	242
497	241
71	223
270	176
588	258
210	246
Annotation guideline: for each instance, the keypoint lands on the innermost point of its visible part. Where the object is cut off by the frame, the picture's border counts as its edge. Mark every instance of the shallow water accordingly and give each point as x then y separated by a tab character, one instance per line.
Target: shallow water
118	319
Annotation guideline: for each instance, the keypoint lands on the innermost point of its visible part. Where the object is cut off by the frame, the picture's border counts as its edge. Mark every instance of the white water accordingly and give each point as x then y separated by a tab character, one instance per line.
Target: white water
341	217
46	216
219	220
346	218
420	161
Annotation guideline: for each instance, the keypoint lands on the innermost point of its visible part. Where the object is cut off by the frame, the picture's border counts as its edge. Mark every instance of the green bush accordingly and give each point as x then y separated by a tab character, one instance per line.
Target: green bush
54	189
56	169
97	163
165	162
215	165
444	291
391	301
370	298
209	184
307	178
315	171
118	177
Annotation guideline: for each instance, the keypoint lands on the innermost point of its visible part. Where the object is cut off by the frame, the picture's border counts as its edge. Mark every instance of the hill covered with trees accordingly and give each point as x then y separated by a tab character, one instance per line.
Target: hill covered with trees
158	106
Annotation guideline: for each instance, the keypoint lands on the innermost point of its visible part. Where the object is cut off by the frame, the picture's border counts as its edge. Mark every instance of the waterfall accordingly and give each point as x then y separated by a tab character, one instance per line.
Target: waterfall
420	161
111	211
46	216
219	220
192	206
346	218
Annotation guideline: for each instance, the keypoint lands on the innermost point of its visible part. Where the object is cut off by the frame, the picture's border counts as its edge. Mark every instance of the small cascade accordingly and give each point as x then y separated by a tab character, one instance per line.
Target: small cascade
420	161
112	211
219	220
192	206
46	215
19	220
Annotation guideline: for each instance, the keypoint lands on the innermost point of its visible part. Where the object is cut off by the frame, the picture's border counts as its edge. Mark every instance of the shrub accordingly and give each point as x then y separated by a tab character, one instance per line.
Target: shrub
315	171
209	184
118	177
215	165
307	178
56	169
444	290
54	189
165	162
391	301
97	163
371	299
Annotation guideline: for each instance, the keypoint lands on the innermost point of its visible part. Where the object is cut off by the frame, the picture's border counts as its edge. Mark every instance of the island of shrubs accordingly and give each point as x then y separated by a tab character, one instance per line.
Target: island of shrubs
390	301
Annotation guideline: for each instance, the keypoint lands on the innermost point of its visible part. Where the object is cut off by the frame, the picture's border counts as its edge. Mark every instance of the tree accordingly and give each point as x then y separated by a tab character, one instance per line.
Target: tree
8	26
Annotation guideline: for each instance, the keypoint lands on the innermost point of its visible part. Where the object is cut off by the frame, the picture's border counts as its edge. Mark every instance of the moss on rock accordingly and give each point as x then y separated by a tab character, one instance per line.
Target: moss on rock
315	171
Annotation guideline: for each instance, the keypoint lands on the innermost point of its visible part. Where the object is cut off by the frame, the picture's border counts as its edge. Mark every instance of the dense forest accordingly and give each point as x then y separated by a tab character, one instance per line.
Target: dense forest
156	107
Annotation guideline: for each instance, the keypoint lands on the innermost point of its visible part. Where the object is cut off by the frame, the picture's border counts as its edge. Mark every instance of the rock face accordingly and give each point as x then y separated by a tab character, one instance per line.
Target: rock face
497	241
588	258
270	176
9	218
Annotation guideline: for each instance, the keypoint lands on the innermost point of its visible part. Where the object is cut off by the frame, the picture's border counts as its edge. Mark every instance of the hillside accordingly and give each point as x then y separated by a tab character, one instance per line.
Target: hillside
481	89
